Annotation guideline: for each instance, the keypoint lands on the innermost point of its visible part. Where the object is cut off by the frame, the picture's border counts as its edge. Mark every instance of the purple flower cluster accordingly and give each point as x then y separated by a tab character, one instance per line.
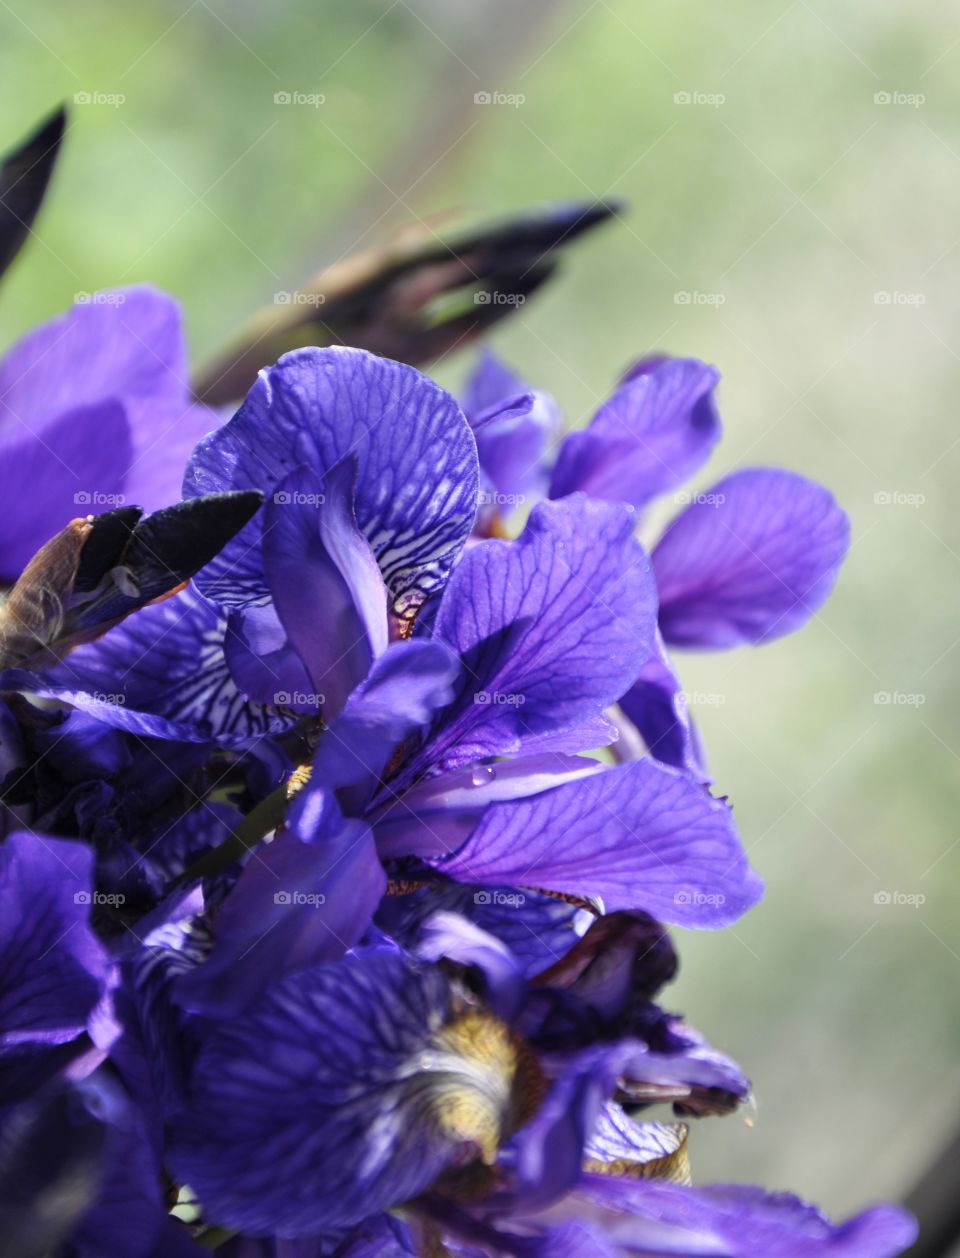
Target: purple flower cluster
333	881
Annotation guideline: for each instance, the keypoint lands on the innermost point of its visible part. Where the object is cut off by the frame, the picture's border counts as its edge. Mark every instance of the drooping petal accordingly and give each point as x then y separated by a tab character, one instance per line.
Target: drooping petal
641	835
551	629
54	969
302	900
749	561
728	1221
294	1129
657	707
656	430
324	581
406	686
513	426
416	488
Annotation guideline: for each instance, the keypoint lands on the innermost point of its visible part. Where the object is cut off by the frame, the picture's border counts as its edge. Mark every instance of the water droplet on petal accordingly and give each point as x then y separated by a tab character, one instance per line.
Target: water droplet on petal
483	773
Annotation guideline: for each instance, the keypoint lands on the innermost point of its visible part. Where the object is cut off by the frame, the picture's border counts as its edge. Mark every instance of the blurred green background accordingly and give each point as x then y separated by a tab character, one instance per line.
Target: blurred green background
793	169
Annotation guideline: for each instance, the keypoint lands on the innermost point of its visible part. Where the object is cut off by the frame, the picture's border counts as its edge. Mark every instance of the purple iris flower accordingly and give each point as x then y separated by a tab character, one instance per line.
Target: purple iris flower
95	411
382	1079
750	559
454	749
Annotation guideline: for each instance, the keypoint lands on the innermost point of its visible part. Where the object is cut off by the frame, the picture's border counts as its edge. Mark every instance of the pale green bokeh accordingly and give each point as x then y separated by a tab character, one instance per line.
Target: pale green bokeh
797	200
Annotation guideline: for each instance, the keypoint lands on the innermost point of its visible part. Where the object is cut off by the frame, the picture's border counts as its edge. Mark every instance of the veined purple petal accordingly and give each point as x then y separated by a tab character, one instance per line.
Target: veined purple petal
656	430
750	560
324	581
729	1221
551	628
161	673
417	477
641	835
333	1098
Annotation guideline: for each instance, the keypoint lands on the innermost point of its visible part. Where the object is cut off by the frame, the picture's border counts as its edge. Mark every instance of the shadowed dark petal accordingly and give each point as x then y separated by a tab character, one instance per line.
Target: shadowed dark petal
538	929
648	437
161	673
748	561
294	1129
54	969
657	706
24	175
303	899
551	628
638	836
416	489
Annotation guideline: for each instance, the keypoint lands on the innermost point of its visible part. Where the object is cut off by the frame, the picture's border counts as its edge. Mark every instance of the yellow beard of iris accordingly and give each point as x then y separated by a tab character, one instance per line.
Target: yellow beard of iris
485	1082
